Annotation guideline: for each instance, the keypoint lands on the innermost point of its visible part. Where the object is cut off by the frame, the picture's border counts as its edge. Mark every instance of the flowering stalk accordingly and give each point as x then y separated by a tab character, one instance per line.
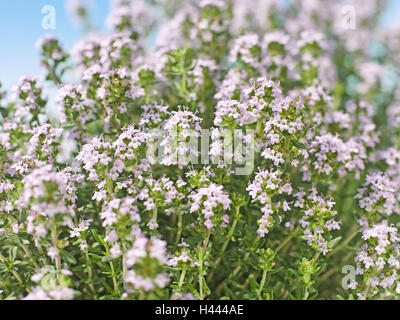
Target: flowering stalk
203	254
226	243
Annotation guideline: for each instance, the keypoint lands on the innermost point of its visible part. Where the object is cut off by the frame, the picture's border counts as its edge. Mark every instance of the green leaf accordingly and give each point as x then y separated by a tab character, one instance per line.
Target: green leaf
334	242
68	256
298	144
108	258
97	237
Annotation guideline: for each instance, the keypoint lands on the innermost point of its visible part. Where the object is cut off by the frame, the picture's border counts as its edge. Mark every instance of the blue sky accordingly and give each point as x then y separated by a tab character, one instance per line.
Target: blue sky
21	26
392	14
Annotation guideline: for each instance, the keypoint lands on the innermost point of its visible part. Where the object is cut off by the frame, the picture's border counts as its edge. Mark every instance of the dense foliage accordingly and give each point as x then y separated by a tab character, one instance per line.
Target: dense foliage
110	199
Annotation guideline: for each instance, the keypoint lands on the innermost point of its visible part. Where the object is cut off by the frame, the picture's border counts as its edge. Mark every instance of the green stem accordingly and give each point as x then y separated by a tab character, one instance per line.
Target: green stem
246	256
316	256
109	187
29	254
124	267
239	267
225	245
54	76
245	284
90	274
206	240
147	97
155	213
182	278
353	232
172	233
261	287
202	254
180	224
114	279
54	240
201	287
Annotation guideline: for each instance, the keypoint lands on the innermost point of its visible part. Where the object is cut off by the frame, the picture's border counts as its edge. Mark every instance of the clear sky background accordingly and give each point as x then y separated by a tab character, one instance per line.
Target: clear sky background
21	27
